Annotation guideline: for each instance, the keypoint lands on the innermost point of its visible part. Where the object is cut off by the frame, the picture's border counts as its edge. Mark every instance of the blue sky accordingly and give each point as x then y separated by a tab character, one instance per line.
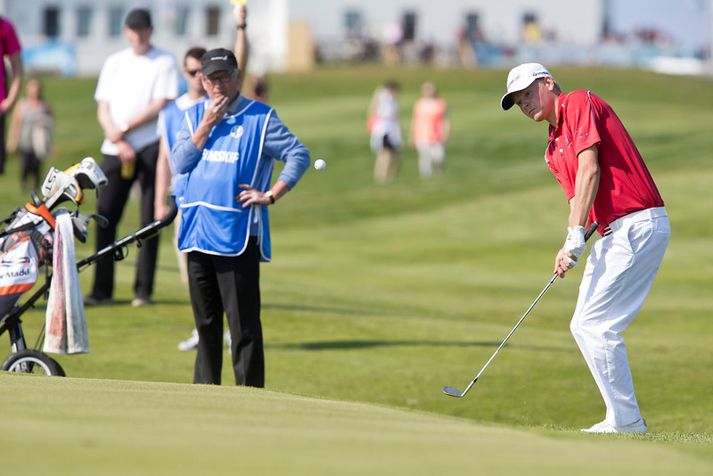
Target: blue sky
687	21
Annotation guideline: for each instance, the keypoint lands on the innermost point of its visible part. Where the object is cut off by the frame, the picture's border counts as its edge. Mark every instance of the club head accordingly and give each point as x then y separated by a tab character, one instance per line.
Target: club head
452	392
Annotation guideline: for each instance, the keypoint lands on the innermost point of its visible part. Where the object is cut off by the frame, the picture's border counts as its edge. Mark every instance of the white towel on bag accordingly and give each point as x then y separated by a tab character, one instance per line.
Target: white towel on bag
65	324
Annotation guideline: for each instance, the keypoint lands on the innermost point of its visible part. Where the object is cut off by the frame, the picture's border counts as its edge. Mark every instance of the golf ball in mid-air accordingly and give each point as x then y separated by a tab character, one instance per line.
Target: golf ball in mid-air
320	164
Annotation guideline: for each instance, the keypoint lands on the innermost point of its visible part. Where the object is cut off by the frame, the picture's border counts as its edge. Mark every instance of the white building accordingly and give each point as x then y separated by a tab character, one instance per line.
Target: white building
439	20
91	29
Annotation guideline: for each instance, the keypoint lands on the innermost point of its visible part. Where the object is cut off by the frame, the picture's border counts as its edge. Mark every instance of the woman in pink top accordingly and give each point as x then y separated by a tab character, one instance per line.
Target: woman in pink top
429	131
10	49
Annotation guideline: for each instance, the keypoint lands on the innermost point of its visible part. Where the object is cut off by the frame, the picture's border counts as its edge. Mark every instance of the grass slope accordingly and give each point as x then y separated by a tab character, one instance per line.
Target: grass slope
386	294
118	427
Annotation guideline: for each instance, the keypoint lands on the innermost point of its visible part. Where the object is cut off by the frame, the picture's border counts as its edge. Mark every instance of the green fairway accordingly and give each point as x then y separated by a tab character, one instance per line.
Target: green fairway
383	295
87	427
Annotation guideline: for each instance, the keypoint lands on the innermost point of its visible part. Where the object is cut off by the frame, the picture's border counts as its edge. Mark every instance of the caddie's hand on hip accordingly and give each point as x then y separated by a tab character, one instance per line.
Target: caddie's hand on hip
252	196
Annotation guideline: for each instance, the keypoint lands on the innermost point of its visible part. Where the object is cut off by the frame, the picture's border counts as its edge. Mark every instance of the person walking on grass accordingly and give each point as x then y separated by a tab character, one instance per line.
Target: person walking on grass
31	133
134	85
604	178
385	131
429	131
227	146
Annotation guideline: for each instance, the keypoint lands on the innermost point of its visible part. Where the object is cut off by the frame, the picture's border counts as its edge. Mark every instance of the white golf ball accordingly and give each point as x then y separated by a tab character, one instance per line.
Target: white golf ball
320	164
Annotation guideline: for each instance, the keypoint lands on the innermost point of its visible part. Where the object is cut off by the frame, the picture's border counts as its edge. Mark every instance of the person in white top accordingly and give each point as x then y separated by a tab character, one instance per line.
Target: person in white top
134	85
385	132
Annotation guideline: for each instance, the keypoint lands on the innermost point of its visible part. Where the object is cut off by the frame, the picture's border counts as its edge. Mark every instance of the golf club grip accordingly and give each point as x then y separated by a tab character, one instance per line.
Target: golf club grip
592	228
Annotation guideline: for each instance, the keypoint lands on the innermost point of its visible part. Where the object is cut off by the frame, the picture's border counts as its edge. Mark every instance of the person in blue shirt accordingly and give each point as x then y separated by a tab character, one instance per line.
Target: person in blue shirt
170	120
227	147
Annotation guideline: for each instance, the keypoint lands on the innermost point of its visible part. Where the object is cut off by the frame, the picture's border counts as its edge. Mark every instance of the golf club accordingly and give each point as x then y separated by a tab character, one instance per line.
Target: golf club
454	392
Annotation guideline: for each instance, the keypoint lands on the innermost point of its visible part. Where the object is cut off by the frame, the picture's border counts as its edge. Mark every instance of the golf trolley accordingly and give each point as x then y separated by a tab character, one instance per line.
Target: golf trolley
26	244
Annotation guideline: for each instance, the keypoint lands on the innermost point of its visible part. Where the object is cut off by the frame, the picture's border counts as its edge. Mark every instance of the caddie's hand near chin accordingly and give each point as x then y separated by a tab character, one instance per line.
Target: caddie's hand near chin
575	244
216	110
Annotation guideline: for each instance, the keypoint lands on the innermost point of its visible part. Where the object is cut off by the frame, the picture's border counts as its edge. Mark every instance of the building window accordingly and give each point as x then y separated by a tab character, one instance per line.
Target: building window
50	23
116	21
408	24
212	21
353	23
84	21
180	25
531	32
472	27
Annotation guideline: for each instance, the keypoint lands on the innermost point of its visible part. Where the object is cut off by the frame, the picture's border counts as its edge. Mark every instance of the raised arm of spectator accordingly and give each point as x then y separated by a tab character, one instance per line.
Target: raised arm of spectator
241	47
14	91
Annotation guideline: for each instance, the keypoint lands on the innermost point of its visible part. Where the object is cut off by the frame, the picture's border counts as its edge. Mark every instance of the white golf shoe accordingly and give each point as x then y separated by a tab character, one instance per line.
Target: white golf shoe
639	426
192	342
189	344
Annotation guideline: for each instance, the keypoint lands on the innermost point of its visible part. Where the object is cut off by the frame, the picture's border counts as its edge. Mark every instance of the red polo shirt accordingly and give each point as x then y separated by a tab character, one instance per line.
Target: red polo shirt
625	184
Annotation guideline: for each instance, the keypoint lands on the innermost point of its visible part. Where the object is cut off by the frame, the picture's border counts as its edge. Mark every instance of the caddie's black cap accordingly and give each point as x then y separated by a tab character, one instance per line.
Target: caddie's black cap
218	59
138	19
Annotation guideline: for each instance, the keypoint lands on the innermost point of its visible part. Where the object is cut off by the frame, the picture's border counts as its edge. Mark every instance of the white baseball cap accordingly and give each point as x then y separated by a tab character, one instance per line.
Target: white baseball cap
519	78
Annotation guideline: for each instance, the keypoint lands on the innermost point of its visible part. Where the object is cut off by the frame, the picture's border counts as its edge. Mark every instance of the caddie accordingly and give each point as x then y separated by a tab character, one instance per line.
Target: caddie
605	179
227	147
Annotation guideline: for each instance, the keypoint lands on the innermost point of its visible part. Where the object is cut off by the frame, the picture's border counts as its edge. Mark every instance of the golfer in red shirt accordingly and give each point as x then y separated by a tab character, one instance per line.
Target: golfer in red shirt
605	179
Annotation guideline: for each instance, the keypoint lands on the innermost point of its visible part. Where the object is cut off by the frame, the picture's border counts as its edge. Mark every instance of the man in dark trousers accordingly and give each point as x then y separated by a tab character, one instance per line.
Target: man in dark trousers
134	85
227	146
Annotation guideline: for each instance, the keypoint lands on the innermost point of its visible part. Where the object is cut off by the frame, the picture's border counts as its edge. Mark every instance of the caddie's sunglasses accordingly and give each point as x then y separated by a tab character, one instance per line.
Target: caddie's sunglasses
192	72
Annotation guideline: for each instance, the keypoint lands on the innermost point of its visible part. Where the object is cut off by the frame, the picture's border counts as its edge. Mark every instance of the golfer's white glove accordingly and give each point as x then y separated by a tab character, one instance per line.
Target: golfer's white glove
575	243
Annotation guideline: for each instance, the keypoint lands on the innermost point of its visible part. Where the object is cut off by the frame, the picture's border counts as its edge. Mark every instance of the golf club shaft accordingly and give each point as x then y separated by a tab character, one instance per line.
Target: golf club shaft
589	233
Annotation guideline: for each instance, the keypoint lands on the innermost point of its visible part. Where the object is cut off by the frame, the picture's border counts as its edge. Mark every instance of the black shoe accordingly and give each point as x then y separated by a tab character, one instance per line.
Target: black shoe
97	301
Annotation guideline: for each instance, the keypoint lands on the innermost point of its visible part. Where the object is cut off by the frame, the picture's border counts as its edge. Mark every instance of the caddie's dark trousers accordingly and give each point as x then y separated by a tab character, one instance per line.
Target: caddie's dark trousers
229	284
111	203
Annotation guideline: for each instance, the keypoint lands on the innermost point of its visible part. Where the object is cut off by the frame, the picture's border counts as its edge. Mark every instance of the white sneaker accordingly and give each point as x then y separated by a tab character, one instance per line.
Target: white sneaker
189	344
639	426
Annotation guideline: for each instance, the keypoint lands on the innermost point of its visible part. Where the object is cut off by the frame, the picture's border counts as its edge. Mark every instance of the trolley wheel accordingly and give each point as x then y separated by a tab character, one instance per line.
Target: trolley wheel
30	361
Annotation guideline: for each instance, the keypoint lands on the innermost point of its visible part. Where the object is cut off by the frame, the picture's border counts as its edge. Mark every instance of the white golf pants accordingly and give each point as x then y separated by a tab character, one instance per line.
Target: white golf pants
618	276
